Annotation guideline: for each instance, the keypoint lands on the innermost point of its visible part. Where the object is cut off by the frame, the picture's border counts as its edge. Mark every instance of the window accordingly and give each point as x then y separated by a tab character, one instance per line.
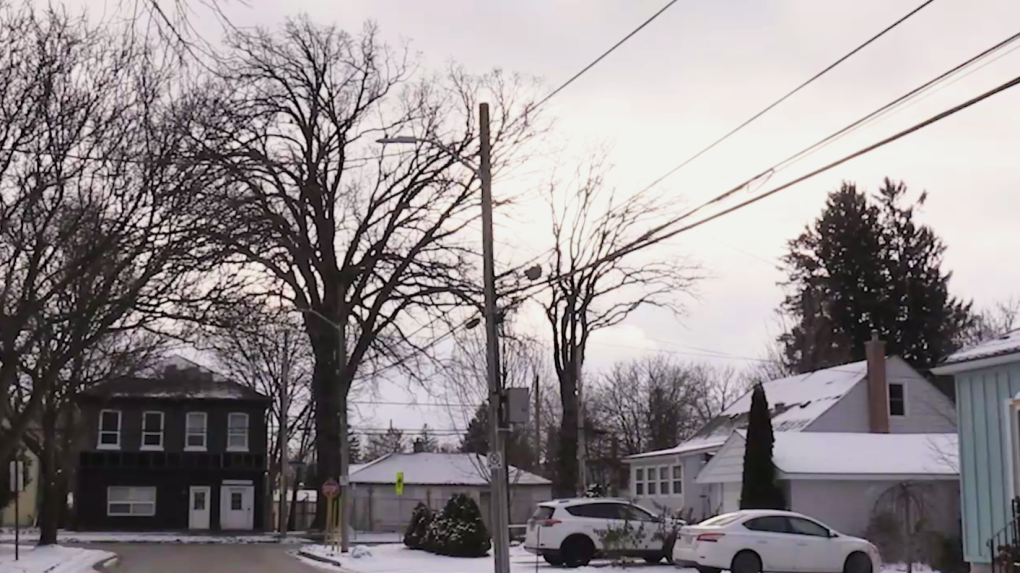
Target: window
769	524
237	432
235	501
152	431
130	501
807	527
635	513
664	480
721	520
678	480
594	510
653	477
199	501
897	400
195	431
109	430
639	481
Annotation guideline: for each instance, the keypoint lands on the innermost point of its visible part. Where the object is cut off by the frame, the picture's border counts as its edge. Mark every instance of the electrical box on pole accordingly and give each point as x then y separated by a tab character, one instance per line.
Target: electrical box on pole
518	406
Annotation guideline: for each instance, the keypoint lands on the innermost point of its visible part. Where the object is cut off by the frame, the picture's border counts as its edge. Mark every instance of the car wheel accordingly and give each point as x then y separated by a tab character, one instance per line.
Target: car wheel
746	562
554	561
703	569
577	551
857	563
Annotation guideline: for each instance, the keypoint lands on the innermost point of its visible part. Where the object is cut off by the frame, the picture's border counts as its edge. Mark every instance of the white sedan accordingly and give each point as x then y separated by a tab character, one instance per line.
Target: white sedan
756	541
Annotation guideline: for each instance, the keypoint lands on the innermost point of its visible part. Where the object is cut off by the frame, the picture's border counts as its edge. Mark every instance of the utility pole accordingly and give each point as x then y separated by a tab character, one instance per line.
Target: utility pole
284	405
538	425
345	437
582	479
497	458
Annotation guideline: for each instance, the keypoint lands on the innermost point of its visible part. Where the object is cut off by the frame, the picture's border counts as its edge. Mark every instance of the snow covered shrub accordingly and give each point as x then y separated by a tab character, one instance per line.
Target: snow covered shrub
421	517
458	530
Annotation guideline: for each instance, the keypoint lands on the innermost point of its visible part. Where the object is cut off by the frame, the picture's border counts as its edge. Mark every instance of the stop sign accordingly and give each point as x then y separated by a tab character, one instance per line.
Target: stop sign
330	488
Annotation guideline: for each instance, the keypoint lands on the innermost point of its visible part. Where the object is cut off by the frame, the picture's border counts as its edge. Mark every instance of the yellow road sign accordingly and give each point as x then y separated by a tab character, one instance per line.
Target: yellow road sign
400	483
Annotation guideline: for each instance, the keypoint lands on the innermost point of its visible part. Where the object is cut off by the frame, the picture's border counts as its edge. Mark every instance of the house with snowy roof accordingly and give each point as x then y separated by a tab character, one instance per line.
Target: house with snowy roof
432	478
987	378
843	436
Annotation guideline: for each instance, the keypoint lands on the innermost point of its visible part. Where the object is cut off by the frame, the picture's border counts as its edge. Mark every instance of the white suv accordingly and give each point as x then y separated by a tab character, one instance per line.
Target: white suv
569	531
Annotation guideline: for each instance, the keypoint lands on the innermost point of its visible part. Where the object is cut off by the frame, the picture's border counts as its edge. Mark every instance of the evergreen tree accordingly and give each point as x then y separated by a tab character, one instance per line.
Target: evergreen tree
759	489
476	440
425	442
381	444
421	517
866	264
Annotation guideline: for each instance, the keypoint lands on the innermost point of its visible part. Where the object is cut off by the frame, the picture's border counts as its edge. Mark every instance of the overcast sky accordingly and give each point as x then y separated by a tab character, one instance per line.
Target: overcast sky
700	70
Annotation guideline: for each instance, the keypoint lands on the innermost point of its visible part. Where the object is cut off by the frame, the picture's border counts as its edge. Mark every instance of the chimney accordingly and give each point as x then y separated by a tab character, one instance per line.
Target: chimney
878	386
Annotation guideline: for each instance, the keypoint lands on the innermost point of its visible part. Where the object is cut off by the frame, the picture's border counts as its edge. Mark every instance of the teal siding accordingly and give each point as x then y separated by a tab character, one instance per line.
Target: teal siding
985	464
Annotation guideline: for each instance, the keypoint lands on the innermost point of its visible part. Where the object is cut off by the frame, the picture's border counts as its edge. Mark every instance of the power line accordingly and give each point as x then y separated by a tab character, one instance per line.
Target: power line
789	94
604	55
916	127
650	237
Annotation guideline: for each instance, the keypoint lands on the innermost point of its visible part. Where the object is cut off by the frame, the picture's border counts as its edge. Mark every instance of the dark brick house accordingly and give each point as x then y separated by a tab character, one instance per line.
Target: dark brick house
182	451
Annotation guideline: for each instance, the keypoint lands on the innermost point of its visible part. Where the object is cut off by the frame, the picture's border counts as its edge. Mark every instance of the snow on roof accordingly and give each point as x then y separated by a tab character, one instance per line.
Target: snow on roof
795	401
436	469
691	446
1008	343
866	454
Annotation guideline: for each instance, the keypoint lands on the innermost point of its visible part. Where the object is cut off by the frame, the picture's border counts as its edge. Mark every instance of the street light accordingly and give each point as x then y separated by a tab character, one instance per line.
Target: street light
497	463
345	444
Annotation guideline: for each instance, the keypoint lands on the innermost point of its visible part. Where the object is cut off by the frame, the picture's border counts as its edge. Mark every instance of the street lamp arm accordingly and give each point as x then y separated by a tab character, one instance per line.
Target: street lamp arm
434	143
318	314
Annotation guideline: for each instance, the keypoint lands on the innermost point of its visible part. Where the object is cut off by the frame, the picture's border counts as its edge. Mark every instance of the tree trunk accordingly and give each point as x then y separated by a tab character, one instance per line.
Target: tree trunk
327	428
565	479
292	508
49	515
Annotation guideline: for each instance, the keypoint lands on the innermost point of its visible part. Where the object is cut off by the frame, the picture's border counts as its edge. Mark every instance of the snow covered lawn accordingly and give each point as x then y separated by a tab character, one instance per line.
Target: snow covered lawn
50	559
400	559
32	535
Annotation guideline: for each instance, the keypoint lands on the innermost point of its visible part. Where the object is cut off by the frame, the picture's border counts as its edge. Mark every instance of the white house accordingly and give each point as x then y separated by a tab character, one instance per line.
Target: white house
432	478
812	416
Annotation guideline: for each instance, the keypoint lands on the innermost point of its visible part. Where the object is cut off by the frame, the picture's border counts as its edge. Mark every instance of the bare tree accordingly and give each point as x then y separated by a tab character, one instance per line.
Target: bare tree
589	221
988	323
365	240
266	350
654	402
98	215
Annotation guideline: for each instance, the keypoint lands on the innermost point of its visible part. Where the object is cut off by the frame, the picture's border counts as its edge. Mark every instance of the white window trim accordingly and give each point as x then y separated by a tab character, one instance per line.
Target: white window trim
906	400
667	480
635	481
673	479
120	426
131	514
162	426
247	420
205	433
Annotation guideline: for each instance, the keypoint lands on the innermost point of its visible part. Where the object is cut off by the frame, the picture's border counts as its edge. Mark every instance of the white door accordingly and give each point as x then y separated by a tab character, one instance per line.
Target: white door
730	497
198	507
816	551
237	505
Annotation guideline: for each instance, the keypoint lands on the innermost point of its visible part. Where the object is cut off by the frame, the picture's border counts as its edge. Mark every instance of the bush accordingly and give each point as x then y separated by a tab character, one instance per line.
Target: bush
421	517
458	530
886	532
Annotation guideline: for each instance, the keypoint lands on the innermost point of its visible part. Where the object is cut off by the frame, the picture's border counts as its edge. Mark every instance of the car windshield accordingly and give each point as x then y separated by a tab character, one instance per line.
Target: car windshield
720	520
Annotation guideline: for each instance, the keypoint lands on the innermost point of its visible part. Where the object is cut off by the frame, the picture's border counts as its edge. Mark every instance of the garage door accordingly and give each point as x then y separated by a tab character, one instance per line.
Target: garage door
730	497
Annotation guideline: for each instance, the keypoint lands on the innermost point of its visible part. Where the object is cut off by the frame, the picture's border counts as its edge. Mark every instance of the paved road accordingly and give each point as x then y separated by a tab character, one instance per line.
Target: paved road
170	558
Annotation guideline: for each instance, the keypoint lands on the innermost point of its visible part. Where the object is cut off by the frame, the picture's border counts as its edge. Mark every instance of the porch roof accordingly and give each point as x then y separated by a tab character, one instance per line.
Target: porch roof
850	456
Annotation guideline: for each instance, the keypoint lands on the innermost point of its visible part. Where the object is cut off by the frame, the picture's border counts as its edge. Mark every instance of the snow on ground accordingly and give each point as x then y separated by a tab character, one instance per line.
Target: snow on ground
32	535
50	559
400	559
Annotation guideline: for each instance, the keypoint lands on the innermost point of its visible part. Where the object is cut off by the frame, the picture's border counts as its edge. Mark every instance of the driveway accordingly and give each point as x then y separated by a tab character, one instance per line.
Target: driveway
183	558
